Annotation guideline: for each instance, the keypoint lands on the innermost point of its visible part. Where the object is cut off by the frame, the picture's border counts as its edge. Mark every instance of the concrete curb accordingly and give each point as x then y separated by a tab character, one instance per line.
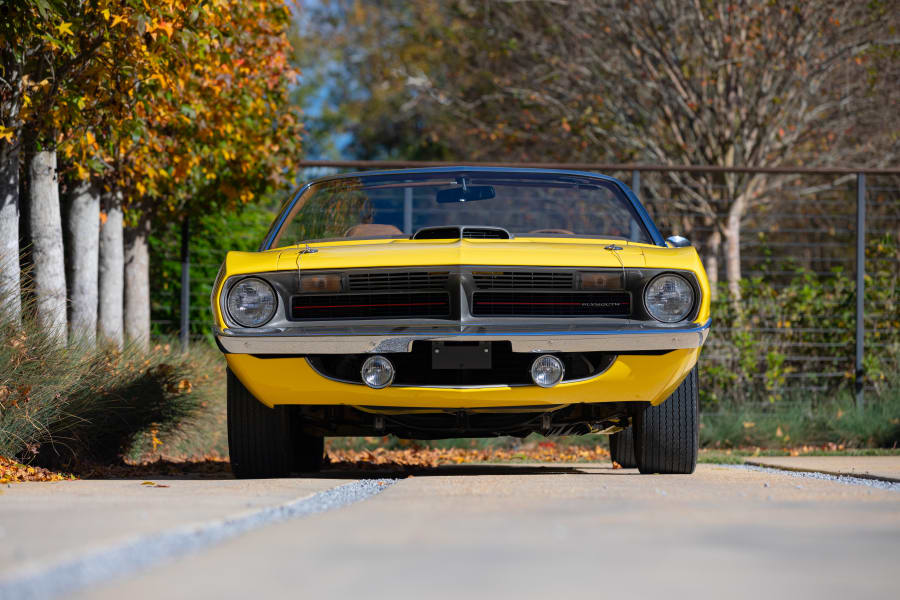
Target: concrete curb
836	473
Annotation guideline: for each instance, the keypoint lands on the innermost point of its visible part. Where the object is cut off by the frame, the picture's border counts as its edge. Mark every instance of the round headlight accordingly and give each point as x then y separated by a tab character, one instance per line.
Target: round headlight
251	302
547	370
669	298
377	372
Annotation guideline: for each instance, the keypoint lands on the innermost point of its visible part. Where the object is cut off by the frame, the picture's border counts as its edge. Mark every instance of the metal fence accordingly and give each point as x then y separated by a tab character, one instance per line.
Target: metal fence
825	225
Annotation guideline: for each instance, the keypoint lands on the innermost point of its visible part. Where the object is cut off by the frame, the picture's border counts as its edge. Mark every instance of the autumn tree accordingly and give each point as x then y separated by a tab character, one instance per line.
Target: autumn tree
210	131
360	64
716	83
55	53
173	108
241	136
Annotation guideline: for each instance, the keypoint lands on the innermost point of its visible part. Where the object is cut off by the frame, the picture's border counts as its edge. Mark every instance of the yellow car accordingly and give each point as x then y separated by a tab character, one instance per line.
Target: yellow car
462	302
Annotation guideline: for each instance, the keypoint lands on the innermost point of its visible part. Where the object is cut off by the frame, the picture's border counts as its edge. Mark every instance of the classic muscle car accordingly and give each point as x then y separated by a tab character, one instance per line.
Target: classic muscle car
462	302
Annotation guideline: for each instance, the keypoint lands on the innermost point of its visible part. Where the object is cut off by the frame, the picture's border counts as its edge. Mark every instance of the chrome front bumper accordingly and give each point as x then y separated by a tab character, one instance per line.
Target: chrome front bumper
622	339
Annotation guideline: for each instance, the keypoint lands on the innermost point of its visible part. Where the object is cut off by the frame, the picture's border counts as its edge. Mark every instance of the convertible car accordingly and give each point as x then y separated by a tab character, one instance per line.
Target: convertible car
462	302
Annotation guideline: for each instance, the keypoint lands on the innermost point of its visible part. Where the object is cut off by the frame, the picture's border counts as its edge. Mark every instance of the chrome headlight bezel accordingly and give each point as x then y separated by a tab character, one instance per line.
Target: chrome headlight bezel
236	319
688	306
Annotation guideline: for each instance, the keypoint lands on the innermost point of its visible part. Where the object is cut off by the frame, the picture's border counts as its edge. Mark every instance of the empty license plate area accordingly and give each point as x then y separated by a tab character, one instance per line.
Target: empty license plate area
460	355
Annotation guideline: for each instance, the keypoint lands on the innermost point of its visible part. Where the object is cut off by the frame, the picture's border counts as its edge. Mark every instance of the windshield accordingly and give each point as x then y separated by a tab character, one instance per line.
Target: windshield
398	205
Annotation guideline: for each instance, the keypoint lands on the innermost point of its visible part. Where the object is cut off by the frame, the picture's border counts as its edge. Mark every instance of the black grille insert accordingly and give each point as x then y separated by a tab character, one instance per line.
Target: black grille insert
484	233
453	232
524	280
552	304
415	280
415	368
371	306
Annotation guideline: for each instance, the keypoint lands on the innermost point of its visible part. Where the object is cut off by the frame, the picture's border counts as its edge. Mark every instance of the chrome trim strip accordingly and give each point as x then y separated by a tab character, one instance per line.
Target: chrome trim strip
550	341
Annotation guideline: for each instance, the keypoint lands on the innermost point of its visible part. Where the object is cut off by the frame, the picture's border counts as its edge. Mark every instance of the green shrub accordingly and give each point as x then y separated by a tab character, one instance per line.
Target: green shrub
63	406
801	333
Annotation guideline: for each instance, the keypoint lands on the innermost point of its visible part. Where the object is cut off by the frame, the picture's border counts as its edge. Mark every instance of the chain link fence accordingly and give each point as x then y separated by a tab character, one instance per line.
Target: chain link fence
809	238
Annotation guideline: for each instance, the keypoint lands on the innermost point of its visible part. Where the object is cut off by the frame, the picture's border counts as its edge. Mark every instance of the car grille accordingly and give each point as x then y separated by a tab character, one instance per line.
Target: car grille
551	304
523	280
415	280
424	293
389	305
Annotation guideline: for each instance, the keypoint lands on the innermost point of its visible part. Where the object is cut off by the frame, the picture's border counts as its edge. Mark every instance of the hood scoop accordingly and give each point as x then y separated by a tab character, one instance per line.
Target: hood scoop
472	232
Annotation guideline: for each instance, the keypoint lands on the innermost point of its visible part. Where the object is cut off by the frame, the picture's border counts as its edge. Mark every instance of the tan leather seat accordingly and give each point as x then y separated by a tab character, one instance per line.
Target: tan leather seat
371	230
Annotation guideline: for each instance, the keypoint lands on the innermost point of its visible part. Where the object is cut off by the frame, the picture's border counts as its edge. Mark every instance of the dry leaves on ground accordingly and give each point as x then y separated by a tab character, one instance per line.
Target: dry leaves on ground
15	472
204	468
433	457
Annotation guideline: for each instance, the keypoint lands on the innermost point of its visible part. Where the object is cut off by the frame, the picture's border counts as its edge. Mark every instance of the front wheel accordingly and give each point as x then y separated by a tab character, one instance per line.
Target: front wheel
666	436
259	437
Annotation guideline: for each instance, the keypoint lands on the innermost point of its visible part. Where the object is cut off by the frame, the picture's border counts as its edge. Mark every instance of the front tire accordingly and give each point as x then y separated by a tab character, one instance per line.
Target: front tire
259	437
666	436
621	448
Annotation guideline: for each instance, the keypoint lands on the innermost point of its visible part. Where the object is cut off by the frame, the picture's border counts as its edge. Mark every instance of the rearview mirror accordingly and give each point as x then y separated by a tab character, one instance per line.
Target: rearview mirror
676	241
466	194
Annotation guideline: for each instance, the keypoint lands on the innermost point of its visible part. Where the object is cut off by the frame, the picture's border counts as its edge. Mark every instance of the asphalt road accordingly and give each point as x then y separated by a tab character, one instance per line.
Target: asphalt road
471	531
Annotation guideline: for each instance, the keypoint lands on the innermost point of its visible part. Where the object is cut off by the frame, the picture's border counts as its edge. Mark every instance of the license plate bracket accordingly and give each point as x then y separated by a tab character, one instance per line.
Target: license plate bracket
460	355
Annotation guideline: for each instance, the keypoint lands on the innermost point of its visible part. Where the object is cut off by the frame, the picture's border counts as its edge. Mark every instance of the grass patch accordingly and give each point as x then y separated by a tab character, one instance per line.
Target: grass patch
836	422
203	436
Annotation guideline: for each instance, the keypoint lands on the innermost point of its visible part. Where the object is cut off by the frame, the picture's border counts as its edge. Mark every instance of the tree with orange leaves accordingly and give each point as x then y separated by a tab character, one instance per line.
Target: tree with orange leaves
176	108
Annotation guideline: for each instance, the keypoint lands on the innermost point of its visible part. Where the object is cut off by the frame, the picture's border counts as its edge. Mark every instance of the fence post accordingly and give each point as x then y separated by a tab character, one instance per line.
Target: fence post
636	183
860	284
184	333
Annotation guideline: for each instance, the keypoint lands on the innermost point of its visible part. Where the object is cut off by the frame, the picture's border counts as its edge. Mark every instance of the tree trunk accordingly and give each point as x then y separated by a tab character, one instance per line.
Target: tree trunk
83	229
137	284
733	251
711	250
49	273
111	271
10	276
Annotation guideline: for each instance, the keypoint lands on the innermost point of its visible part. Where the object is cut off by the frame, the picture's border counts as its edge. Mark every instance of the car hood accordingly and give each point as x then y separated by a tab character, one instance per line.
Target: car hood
539	252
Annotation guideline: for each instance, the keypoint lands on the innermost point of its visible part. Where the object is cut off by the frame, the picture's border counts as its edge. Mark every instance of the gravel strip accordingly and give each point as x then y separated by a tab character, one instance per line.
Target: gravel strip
70	575
847	479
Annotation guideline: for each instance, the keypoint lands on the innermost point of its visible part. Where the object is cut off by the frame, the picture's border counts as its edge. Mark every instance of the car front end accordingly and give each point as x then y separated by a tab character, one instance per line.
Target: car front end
452	329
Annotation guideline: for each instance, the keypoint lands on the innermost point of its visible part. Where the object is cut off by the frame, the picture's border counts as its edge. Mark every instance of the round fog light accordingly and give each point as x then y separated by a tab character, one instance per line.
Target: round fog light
547	370
377	372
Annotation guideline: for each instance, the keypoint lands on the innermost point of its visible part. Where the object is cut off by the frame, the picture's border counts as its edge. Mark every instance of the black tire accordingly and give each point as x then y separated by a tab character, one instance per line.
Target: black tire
621	448
259	437
666	437
309	450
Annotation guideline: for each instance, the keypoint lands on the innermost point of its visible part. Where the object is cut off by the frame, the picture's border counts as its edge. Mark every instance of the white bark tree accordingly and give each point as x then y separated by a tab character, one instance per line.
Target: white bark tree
137	284
11	85
10	275
82	253
110	323
49	272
